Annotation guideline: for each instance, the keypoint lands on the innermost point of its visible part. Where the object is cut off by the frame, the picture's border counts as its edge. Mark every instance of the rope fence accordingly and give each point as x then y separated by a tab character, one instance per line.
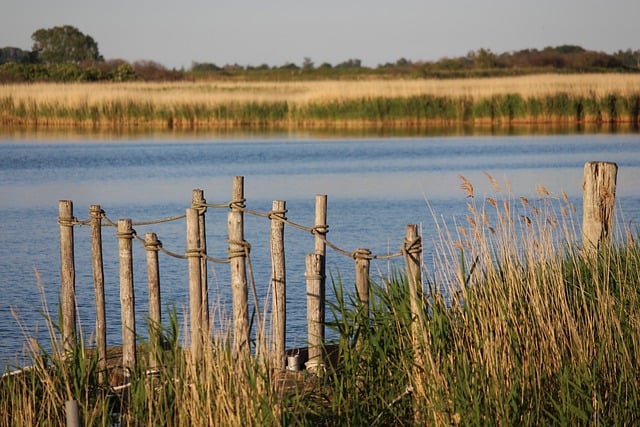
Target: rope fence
238	258
599	194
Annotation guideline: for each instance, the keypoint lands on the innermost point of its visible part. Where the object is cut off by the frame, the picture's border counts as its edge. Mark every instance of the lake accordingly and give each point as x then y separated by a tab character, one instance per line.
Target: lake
375	187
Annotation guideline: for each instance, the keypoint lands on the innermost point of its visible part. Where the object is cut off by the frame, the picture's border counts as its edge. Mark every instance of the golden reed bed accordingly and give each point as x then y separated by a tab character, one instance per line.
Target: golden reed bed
321	103
300	93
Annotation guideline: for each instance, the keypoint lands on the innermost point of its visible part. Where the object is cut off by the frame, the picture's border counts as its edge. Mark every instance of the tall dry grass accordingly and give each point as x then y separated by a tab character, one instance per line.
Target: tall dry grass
74	95
307	102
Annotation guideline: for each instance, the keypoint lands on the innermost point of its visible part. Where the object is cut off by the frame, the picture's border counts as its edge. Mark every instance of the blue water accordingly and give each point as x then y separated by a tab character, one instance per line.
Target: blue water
375	188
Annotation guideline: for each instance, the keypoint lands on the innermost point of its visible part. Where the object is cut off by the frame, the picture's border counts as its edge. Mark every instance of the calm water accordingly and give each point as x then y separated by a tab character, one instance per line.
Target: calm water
375	187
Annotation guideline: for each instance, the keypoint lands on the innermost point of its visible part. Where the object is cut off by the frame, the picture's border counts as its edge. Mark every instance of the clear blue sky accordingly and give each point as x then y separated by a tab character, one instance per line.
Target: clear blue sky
251	32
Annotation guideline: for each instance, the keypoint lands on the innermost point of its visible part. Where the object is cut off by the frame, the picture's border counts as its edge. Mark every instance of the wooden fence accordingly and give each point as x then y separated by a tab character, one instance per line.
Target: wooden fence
598	203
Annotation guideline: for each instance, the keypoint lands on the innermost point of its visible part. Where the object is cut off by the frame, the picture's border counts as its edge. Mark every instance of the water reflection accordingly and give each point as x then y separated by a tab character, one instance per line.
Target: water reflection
258	132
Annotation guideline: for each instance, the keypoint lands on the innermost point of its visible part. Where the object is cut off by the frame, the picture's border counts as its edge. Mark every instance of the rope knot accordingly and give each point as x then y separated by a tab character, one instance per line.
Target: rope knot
412	247
154	246
277	214
194	253
237	204
319	229
362	253
130	234
238	248
69	222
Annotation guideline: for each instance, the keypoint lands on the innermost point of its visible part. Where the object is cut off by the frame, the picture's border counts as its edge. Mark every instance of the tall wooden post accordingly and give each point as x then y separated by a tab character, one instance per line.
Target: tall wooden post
315	309
412	251
67	273
198	202
95	213
320	230
363	257
237	262
278	284
195	285
127	297
599	194
152	246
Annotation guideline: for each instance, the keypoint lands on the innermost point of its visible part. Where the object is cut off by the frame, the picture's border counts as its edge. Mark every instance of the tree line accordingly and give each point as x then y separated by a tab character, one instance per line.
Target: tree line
64	53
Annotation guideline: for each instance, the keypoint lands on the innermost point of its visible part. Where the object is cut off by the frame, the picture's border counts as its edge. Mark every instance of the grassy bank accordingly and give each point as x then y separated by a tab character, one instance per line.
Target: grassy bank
519	326
548	98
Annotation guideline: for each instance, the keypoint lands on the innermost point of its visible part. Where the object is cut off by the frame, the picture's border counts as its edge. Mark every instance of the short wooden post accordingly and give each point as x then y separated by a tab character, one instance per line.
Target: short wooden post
237	263
152	246
67	273
198	202
95	213
278	284
412	251
363	257
194	255
127	298
599	193
315	309
72	413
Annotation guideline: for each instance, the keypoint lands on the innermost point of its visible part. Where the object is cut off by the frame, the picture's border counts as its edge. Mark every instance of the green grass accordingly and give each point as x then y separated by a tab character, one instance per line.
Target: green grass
393	112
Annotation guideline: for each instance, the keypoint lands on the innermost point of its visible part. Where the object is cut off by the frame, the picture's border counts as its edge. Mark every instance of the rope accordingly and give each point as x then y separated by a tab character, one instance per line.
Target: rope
159	221
273	215
238	249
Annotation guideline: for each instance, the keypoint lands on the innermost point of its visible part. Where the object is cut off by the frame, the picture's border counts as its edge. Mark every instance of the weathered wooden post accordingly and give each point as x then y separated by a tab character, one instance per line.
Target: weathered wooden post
95	213
72	413
278	284
412	250
237	263
67	273
194	255
152	246
127	298
315	309
316	288
363	257
198	202
599	194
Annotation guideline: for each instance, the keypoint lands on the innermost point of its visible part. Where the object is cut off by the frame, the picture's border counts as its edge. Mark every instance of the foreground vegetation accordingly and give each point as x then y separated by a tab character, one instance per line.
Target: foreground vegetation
519	326
548	98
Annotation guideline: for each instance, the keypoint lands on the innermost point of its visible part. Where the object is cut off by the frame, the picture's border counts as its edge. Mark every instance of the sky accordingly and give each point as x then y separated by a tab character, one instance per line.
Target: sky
275	32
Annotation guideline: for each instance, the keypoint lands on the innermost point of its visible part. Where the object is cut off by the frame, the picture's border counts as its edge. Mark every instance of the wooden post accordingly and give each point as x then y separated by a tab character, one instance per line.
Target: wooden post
95	213
127	297
239	288
152	246
198	202
321	229
67	273
315	309
599	193
278	284
195	285
363	257
72	413
412	251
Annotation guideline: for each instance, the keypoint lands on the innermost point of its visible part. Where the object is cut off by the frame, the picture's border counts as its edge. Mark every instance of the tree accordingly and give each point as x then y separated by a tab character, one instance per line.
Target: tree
64	44
14	54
